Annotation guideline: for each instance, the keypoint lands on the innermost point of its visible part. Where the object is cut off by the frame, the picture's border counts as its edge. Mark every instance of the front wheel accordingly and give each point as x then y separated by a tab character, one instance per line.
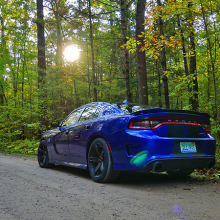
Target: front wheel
180	172
42	156
100	162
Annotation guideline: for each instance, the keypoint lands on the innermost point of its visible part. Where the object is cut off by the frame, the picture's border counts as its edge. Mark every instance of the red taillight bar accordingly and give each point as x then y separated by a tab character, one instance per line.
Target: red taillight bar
148	122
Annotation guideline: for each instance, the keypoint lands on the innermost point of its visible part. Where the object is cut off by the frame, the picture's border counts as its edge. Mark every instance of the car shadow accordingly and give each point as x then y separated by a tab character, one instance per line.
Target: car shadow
155	180
131	178
72	171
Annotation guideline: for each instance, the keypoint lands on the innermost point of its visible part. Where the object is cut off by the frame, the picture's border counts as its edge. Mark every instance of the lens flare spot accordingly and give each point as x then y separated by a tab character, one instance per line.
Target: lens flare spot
180	213
140	159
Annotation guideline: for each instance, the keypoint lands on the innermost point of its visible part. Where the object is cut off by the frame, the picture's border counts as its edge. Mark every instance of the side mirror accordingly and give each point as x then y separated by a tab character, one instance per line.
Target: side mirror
55	124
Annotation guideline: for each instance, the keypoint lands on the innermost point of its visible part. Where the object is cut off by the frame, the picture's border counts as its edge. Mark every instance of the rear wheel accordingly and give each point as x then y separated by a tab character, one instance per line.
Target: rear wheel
43	158
180	172
100	162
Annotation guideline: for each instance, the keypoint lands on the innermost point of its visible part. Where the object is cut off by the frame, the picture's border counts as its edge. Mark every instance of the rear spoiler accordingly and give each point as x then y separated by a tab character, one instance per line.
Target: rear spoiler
154	110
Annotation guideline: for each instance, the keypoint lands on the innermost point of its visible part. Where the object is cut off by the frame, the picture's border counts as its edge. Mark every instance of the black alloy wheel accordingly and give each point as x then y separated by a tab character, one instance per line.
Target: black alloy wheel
100	162
43	158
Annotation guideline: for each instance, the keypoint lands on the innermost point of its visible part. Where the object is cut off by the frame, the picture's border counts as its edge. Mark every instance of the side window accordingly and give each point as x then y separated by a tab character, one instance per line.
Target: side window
110	110
98	110
88	113
72	119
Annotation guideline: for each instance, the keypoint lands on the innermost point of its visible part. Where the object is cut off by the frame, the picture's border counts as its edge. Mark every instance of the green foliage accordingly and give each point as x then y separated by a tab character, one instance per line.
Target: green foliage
215	127
18	123
69	85
212	174
20	146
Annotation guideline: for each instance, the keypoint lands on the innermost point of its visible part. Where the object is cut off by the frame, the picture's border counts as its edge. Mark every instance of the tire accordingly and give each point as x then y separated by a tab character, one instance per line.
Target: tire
100	162
180	172
42	156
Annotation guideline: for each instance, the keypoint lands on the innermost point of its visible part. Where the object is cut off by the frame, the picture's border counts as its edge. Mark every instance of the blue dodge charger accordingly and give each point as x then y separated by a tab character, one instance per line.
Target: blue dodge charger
107	138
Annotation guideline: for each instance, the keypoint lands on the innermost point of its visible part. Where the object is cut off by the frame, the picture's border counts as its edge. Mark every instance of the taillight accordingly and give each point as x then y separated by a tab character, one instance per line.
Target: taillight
155	123
206	126
143	124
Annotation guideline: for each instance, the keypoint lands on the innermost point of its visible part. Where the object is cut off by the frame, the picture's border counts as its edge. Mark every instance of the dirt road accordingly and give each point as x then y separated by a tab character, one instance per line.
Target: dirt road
30	192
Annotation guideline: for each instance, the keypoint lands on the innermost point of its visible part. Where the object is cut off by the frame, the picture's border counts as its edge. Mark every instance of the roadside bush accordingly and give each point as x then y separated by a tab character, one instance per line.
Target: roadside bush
20	146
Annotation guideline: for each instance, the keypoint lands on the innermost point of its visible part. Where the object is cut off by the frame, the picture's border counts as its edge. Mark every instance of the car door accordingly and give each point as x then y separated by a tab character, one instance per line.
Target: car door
79	134
62	138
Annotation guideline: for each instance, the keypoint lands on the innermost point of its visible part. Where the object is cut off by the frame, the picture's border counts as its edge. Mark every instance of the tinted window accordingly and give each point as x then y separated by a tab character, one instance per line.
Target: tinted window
88	113
109	110
73	118
98	110
130	107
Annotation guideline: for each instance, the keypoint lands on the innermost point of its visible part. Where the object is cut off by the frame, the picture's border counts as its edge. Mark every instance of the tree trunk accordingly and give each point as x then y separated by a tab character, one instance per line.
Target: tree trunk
125	67
55	5
59	43
141	58
93	57
23	72
2	63
76	95
87	56
22	86
41	67
163	62
193	69
59	36
158	85
184	56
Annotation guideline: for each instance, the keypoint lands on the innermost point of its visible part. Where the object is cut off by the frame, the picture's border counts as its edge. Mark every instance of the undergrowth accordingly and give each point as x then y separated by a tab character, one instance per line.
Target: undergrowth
28	147
207	174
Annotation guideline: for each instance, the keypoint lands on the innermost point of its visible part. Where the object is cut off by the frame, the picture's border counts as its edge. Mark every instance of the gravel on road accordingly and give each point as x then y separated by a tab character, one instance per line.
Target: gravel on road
30	192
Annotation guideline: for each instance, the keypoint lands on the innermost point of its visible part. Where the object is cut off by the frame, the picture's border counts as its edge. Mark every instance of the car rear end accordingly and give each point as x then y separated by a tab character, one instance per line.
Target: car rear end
161	140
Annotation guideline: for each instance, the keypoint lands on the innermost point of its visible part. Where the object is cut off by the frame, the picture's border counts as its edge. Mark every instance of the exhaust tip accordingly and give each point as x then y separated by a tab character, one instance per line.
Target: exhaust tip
157	167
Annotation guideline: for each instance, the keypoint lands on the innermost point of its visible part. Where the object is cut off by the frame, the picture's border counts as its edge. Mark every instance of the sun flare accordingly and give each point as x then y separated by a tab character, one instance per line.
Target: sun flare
71	53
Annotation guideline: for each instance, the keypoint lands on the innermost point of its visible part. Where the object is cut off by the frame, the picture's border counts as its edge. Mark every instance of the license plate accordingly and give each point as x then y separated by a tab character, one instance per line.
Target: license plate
188	147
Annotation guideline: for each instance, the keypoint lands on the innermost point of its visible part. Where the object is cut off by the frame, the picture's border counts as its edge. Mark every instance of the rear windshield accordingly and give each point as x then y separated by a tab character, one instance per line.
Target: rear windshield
130	107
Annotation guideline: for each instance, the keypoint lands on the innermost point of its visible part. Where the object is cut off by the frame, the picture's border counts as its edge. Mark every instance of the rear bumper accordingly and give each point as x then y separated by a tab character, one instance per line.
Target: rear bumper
159	165
141	150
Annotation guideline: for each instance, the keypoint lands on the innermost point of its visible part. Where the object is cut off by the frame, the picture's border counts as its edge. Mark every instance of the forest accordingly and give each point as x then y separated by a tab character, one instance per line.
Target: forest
162	53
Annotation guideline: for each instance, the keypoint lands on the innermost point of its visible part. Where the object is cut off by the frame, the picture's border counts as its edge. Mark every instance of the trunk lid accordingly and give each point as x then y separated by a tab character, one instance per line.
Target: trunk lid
176	123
